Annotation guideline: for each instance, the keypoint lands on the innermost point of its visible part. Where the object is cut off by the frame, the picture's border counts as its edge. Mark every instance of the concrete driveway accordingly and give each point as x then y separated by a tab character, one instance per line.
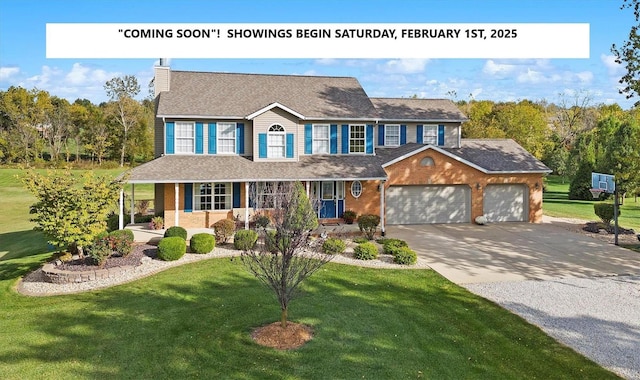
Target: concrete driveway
468	253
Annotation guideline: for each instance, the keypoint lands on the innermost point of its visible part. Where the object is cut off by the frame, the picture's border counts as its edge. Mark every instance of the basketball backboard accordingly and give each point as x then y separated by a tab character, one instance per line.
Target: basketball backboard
604	182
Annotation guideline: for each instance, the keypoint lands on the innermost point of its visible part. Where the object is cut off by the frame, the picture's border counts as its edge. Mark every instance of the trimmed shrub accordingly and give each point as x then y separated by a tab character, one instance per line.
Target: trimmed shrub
202	243
245	240
391	245
123	234
101	235
604	211
368	225
333	246
349	216
223	229
405	255
176	231
171	248
365	251
99	252
261	221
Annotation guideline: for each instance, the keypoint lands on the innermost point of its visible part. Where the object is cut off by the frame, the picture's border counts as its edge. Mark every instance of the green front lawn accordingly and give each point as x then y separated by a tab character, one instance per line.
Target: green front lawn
195	321
556	203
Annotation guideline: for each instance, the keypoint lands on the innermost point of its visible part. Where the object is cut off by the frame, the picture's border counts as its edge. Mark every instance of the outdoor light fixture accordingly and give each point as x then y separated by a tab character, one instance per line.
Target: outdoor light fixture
537	186
478	187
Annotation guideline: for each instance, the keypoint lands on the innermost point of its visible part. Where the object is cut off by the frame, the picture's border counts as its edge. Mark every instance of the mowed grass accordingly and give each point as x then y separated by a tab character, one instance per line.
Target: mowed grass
17	237
195	321
556	202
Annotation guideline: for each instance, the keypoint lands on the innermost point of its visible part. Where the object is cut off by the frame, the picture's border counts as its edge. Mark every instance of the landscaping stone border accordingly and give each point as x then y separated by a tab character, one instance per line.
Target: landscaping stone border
58	276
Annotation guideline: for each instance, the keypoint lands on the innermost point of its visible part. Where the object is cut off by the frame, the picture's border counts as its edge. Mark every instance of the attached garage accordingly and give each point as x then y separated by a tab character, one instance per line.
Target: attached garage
506	203
428	204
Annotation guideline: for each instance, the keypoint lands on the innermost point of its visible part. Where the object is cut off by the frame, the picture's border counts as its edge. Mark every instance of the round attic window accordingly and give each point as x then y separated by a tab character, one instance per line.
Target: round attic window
356	189
427	161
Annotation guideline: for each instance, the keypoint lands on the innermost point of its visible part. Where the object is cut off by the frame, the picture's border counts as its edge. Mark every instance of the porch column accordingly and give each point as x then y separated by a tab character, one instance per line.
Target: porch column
121	210
382	207
308	188
133	212
176	219
246	205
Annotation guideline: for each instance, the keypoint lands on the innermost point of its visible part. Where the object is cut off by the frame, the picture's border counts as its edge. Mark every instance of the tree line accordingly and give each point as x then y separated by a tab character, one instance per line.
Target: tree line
36	126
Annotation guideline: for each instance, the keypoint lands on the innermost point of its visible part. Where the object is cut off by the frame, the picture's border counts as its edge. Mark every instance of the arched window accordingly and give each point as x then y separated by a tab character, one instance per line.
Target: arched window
276	147
427	161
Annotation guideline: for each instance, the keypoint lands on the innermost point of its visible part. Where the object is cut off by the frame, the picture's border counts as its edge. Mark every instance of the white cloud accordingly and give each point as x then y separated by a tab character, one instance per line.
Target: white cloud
531	76
81	76
8	72
404	66
609	62
585	76
498	69
47	75
326	61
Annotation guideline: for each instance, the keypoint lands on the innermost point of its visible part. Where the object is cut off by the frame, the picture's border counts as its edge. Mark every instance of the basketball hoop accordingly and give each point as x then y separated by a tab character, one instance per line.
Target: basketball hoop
595	193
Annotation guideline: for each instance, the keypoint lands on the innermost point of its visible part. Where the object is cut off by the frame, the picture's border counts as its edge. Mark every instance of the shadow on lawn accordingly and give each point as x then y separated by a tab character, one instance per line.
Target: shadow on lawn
21	244
195	321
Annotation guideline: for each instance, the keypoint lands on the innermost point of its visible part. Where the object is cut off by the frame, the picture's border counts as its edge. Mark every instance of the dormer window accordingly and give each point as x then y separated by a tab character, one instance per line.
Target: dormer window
276	146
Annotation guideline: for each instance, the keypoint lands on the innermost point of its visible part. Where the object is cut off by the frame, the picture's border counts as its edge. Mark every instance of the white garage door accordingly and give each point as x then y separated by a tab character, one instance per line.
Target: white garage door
505	203
428	204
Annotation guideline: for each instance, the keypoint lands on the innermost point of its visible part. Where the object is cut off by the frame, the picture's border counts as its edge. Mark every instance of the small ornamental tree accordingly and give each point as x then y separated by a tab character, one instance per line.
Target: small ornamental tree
71	211
292	254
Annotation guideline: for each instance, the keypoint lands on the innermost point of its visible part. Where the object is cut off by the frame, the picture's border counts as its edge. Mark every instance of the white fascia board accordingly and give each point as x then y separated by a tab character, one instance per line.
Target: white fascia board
272	106
258	180
200	117
422	121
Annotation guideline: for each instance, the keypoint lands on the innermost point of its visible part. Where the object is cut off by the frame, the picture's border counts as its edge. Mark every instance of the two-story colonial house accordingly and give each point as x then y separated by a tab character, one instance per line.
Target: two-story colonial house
220	138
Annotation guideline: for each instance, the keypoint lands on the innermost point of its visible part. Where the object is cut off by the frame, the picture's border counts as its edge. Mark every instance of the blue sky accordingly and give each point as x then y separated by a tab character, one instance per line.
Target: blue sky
23	46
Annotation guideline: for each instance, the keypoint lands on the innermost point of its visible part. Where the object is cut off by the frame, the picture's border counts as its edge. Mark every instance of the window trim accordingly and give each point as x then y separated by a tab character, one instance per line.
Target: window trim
283	134
425	137
176	138
314	139
228	195
353	139
356	189
386	134
219	126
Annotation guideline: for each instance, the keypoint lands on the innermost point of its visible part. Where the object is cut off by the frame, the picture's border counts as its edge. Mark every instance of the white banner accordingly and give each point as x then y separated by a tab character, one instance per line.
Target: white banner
276	40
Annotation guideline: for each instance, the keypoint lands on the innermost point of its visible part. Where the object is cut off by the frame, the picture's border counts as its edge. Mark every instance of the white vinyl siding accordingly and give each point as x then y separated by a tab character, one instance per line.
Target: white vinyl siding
184	137
226	138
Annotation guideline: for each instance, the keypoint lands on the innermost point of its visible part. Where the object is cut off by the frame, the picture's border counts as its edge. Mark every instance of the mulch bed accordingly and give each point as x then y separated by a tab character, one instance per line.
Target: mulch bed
133	259
273	335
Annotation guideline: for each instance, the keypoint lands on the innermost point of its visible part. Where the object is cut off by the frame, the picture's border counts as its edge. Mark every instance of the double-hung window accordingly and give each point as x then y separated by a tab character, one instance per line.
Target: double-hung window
185	137
430	134
276	147
212	196
321	138
356	139
226	138
391	135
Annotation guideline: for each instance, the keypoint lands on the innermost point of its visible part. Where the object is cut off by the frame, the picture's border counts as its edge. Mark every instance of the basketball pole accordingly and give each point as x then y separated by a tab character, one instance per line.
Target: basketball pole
615	214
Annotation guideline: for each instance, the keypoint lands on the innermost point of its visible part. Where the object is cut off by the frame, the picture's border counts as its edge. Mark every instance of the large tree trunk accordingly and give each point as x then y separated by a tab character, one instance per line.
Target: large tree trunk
283	318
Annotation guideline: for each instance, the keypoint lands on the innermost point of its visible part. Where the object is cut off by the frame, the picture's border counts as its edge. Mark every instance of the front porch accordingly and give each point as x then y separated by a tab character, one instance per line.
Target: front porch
332	227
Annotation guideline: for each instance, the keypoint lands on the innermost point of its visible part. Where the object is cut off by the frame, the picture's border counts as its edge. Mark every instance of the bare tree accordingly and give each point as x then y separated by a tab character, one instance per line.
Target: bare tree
123	108
286	253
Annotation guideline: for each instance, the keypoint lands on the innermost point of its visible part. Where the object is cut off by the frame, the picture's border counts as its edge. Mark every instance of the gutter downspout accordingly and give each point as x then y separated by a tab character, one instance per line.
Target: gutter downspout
382	202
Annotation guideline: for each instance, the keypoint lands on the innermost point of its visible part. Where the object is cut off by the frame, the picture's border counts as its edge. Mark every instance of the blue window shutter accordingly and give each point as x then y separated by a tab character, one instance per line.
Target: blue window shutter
199	139
369	139
236	194
262	145
419	133
403	134
188	197
345	139
289	146
240	138
308	139
212	138
440	135
170	136
381	135
334	139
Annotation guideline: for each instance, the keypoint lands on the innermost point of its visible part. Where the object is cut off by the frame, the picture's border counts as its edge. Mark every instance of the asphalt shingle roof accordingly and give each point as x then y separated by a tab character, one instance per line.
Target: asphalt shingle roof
406	109
238	95
498	155
206	168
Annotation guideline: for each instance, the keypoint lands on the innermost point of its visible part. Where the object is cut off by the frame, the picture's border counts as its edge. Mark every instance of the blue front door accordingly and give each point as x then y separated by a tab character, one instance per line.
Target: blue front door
327	200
